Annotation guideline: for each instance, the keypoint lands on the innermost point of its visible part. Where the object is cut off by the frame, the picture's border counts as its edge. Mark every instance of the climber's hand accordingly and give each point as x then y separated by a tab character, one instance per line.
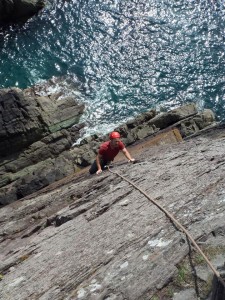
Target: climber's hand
132	160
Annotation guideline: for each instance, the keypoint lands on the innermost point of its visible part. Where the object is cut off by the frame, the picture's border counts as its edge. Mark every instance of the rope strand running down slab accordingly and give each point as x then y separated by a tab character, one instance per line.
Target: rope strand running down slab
180	226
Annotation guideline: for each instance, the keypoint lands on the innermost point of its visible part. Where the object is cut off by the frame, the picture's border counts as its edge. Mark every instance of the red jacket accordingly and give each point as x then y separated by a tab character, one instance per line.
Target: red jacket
107	153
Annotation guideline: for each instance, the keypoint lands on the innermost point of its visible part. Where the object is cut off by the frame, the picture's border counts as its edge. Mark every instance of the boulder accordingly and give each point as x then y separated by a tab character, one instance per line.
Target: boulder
167	119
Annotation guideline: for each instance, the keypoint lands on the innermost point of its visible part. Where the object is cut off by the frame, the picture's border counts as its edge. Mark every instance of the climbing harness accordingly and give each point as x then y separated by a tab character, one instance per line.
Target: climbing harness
180	226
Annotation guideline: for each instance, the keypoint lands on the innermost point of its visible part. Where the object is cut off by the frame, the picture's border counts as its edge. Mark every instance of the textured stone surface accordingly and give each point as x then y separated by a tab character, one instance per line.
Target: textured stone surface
96	237
25	119
188	294
35	131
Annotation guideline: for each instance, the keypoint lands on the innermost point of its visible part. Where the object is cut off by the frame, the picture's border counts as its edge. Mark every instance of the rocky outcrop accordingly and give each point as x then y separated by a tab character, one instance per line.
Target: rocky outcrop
37	132
186	119
12	11
34	132
96	237
26	119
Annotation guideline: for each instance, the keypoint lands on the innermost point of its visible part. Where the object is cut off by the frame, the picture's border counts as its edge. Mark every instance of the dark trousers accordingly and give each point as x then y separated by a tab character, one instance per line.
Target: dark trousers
93	169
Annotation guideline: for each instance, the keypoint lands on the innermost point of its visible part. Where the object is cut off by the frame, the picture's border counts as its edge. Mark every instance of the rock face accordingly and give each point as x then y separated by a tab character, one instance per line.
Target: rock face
96	237
26	119
37	132
34	131
19	10
186	119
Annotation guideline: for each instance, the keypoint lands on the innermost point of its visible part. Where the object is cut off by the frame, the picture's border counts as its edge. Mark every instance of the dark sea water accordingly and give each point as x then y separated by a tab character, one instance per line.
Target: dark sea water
122	57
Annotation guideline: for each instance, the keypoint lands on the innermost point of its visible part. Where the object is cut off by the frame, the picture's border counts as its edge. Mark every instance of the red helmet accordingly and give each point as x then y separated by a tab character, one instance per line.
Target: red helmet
114	135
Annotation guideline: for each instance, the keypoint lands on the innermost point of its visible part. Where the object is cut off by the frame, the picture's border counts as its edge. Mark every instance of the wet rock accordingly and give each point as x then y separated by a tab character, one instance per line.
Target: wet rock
164	120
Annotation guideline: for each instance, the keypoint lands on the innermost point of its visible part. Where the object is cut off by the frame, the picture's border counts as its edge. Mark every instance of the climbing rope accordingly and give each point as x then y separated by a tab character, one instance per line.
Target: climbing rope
180	226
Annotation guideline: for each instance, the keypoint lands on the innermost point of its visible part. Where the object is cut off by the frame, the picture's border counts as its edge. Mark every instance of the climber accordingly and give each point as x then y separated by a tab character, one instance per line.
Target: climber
108	151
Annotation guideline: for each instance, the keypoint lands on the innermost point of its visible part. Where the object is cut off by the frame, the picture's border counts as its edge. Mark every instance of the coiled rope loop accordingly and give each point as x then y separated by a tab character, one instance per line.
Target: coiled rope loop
180	226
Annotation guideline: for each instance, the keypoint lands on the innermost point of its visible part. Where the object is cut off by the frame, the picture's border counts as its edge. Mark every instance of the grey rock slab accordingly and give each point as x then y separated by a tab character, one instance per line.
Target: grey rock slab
188	294
203	272
111	241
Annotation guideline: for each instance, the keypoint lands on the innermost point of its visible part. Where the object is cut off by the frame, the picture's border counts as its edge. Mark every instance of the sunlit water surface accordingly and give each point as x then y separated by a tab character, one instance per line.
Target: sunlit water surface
122	57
